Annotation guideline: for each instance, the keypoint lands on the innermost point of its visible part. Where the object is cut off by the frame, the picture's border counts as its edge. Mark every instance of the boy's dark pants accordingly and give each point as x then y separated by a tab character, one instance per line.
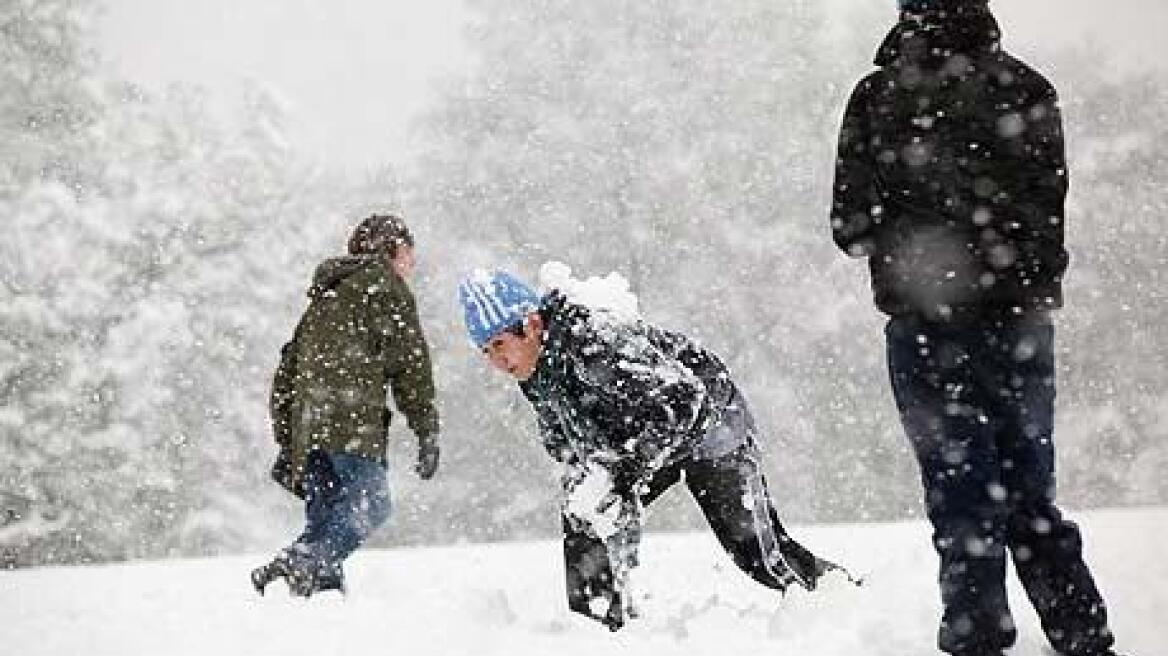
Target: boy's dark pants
721	484
976	399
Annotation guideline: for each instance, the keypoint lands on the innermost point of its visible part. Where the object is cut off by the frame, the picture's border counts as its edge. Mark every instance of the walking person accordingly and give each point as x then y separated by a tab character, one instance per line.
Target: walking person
358	340
950	181
628	410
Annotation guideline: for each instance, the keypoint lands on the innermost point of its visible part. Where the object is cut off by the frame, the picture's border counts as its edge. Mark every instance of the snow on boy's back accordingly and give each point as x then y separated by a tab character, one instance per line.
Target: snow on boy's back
610	292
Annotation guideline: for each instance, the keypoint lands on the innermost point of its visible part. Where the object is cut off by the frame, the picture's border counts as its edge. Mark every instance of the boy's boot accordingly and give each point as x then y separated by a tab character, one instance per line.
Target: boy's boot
298	570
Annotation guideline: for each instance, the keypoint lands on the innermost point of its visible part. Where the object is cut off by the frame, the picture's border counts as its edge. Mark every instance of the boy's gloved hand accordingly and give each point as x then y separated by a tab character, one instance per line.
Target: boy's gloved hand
287	474
427	463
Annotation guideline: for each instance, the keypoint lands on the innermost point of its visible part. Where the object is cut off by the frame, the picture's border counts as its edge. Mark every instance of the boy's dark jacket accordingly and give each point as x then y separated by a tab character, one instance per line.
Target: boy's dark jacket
623	394
950	175
358	338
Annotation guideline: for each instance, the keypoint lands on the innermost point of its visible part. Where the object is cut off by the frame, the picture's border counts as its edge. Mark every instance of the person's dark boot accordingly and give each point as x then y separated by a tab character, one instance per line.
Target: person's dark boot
302	582
327	582
297	572
278	569
330	576
265	574
261	577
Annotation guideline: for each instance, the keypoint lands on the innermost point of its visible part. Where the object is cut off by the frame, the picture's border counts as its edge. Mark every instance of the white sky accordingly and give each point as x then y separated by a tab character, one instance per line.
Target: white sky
351	71
354	71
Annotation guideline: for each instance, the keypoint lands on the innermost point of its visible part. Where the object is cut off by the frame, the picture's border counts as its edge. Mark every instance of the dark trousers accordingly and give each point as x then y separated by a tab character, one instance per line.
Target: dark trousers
729	487
733	496
976	399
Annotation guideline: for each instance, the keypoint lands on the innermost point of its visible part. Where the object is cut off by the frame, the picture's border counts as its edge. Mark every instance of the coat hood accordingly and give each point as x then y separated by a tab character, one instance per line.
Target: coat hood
930	37
332	272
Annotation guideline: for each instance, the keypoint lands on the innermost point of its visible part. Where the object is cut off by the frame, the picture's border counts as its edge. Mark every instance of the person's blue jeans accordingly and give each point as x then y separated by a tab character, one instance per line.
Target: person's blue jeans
976	399
346	499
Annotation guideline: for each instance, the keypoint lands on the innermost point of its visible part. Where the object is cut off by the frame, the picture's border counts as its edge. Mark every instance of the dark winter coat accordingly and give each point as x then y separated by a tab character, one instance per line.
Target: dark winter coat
951	174
624	394
358	338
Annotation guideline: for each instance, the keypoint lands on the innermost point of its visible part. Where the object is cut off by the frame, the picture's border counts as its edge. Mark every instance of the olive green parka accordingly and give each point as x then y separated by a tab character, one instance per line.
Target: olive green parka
358	339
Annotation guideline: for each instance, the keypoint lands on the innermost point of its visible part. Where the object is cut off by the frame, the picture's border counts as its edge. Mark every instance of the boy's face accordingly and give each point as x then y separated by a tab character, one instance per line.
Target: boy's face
402	261
516	355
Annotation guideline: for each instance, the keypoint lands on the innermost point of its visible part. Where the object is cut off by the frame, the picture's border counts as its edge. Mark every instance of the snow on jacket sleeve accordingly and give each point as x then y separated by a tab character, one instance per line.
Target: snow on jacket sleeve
646	405
554	441
856	200
408	360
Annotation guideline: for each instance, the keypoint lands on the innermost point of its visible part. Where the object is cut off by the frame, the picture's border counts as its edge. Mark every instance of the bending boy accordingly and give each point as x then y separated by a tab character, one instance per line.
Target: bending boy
627	408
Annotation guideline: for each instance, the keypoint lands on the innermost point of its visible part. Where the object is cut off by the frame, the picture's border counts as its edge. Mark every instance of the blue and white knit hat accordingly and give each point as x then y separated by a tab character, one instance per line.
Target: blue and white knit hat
492	302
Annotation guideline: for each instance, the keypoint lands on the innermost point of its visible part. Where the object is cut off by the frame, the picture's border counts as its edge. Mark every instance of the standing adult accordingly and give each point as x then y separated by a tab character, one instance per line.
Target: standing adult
951	181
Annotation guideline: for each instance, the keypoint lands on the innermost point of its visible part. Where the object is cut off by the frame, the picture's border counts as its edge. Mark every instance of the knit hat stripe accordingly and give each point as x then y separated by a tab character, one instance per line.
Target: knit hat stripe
490	307
493	302
488	313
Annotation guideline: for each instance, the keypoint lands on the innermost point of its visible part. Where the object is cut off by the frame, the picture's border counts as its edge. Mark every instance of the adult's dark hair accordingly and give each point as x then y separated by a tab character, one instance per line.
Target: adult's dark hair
380	233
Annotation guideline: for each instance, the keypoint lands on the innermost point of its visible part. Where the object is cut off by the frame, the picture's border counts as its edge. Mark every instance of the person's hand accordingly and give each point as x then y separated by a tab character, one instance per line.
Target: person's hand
287	474
427	457
593	505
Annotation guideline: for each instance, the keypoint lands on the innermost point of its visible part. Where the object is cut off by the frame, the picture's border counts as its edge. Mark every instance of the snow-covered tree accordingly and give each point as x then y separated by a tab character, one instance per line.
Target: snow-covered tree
142	283
1112	430
687	146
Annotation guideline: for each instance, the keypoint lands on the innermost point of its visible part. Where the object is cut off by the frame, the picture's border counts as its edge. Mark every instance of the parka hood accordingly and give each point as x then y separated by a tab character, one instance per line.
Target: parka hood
930	37
332	272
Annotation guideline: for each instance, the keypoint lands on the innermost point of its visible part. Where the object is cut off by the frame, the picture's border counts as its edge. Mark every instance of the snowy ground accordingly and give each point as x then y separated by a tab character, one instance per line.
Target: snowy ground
508	599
